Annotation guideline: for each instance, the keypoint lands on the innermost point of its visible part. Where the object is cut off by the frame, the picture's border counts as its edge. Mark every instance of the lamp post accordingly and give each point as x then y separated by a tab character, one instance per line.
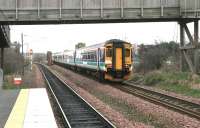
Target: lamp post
22	40
31	57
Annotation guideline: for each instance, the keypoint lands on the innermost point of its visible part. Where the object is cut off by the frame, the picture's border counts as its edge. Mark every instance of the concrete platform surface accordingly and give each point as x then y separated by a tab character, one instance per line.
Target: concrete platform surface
32	109
7	101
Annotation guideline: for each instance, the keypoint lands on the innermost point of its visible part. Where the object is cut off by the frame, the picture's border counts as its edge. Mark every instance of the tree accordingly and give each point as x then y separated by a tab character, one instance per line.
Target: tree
80	45
154	56
13	61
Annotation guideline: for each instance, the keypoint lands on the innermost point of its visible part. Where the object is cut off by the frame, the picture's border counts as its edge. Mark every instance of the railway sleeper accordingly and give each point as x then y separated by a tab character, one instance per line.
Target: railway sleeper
77	111
90	122
84	119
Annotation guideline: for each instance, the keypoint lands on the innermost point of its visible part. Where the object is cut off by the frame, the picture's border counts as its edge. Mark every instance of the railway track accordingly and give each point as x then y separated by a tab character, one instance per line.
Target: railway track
76	112
180	105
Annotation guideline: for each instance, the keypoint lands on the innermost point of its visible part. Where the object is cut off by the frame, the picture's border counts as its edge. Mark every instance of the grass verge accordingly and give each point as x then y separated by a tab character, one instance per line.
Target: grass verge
177	82
8	85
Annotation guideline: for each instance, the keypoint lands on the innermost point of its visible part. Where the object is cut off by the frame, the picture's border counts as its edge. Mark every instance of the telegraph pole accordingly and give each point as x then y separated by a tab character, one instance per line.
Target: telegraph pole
22	39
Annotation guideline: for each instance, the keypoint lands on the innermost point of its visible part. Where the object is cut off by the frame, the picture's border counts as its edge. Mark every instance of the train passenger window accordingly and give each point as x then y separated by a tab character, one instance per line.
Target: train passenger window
127	52
101	55
95	56
83	57
109	52
92	56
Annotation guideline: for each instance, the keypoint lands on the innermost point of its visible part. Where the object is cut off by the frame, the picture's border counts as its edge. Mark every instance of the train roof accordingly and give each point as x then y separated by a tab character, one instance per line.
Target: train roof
92	46
116	41
103	44
57	53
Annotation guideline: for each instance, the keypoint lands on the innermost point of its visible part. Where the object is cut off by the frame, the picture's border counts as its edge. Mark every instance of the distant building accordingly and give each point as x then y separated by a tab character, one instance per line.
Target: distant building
39	57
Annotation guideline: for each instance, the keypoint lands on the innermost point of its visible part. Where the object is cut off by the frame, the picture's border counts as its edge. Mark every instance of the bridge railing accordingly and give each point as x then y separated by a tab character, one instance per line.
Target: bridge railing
190	8
14	10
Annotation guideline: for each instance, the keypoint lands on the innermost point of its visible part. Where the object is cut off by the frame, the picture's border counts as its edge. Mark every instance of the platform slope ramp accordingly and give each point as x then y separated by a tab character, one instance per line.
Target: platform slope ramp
32	109
94	11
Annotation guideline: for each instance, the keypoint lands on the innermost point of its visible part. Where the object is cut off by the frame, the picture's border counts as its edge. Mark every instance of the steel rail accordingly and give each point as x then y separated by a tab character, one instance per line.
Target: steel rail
67	124
189	108
78	112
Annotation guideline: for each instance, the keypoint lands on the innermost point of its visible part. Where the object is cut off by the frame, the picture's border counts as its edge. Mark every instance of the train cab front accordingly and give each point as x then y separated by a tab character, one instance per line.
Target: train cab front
118	60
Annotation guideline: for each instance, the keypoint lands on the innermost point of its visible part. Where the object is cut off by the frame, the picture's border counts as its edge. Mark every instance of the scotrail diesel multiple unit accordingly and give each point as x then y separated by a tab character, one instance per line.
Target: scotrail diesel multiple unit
111	60
49	58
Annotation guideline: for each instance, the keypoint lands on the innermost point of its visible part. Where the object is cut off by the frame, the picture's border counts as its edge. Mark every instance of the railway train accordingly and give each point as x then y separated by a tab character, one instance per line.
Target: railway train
49	58
111	60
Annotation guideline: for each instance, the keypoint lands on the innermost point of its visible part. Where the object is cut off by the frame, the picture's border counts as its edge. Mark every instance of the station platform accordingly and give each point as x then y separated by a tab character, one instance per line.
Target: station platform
31	109
7	101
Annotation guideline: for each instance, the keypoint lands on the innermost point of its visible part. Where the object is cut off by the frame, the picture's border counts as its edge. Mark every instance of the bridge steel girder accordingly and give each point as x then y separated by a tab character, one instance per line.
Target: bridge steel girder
193	45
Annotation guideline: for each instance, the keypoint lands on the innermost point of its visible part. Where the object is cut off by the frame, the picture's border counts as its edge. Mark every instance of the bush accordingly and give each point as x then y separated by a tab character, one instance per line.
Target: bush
136	77
153	78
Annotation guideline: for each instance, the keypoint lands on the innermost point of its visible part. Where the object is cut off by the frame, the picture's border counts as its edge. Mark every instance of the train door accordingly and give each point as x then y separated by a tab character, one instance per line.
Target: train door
128	56
98	59
118	58
108	56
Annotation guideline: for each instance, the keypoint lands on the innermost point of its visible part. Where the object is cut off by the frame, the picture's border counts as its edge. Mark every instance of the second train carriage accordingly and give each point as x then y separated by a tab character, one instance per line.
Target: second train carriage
111	60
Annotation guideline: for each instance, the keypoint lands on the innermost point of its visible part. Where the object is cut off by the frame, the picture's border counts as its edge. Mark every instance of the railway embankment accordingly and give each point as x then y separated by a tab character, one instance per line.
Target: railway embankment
182	85
124	109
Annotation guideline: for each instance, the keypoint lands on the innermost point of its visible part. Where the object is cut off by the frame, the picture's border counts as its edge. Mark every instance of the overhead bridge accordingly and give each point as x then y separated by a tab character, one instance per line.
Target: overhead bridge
96	11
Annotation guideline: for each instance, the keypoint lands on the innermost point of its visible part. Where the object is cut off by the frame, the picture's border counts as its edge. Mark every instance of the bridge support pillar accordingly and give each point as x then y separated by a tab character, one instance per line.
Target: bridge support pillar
192	47
196	39
182	43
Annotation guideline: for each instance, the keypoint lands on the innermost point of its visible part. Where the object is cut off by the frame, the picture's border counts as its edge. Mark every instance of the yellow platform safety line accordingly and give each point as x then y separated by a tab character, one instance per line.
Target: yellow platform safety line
17	115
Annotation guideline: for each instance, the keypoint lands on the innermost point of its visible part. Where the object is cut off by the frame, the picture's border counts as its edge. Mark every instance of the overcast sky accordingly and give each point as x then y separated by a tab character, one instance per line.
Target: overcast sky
42	38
